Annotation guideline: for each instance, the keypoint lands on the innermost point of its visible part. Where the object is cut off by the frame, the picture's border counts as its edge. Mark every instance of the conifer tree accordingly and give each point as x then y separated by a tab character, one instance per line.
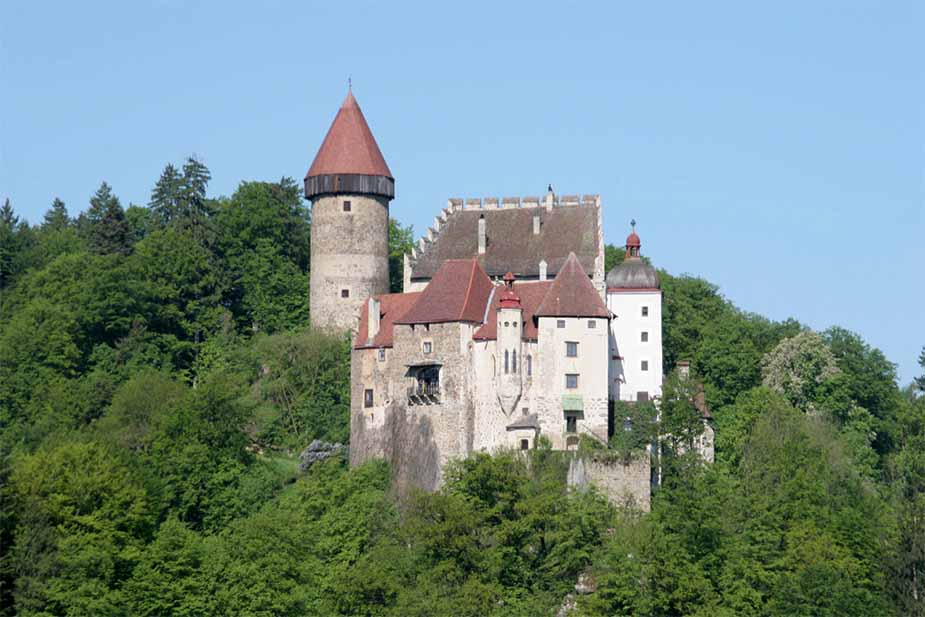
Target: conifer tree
57	216
107	229
9	223
192	193
920	381
165	197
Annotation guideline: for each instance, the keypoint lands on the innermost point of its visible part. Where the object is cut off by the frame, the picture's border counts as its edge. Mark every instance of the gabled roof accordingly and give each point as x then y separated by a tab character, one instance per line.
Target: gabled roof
572	294
391	307
511	243
459	291
530	294
349	147
524	422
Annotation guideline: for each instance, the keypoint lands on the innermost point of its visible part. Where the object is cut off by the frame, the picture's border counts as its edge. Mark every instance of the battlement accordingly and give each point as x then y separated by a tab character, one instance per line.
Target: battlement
532	201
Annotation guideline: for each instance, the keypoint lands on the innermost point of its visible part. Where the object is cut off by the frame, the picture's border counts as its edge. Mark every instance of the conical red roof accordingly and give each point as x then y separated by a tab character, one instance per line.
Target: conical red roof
572	294
349	147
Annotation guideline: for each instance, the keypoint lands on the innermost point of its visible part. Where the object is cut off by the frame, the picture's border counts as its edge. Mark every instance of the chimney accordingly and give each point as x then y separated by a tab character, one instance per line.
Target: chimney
536	224
543	270
372	326
684	369
482	239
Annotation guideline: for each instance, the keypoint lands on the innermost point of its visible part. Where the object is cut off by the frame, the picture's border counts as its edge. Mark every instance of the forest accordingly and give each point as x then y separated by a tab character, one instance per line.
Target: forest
159	377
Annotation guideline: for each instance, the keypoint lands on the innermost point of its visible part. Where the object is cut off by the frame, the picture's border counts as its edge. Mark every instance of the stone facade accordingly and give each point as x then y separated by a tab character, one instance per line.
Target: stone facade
349	256
625	483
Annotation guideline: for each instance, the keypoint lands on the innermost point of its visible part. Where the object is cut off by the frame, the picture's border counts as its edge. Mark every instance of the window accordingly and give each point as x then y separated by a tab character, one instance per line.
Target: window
506	362
645	311
592	323
571	381
524	444
560	323
642	397
507	324
644	337
571	423
347	205
571	349
367	398
513	361
524	411
428	347
382	355
645	365
529	366
344	293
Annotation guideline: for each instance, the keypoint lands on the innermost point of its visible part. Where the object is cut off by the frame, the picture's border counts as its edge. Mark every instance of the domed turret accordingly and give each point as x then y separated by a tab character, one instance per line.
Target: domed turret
633	273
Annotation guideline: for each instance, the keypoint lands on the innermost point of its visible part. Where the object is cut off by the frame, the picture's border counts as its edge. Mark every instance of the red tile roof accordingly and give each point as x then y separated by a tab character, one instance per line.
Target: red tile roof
459	291
572	294
392	306
349	147
530	294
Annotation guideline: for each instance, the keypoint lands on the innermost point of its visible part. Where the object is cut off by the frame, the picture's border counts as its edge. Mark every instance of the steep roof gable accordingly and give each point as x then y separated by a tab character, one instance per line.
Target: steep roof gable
391	307
349	147
459	291
572	294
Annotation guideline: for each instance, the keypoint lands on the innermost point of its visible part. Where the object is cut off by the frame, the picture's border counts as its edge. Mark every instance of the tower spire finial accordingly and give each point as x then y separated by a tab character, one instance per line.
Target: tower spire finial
349	84
633	224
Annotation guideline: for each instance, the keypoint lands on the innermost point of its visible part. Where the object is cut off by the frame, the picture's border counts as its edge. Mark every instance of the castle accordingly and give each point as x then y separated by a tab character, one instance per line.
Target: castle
507	328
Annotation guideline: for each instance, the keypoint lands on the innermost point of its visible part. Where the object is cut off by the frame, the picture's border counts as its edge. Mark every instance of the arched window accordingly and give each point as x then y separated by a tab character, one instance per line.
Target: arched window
506	366
529	365
513	361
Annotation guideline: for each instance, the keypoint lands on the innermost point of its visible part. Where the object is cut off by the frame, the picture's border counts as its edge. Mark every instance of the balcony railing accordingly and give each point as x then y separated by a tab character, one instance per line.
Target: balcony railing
424	393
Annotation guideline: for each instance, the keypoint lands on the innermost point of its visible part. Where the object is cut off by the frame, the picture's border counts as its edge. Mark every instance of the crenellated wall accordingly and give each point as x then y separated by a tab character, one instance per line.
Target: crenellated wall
493	204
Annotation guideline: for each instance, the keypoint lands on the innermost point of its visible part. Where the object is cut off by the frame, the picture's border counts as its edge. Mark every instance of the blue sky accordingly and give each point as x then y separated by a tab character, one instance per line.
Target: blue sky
776	150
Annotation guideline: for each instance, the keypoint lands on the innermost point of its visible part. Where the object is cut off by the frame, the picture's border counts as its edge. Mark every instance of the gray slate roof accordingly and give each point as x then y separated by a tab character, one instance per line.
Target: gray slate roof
524	422
512	245
633	274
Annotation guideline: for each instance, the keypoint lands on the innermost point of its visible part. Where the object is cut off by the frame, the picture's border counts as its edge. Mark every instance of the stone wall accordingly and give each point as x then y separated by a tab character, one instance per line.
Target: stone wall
626	484
349	251
418	440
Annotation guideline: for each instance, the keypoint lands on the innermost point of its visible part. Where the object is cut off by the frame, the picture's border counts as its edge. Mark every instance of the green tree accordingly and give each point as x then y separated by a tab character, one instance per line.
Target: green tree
83	517
401	241
305	377
273	290
106	228
920	381
165	197
57	217
797	368
613	255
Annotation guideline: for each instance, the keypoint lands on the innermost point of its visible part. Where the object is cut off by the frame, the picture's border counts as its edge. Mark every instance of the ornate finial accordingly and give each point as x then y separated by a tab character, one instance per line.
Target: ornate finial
633	223
349	84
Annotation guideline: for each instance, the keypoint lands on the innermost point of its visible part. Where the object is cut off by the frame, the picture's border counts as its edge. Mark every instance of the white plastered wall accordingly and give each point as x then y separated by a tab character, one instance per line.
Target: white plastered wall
628	351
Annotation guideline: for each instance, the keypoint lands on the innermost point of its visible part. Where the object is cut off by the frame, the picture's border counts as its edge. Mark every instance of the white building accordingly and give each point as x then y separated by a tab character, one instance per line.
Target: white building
634	299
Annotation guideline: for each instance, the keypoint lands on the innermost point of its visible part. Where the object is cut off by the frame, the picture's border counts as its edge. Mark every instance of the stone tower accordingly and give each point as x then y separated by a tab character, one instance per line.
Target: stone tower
350	187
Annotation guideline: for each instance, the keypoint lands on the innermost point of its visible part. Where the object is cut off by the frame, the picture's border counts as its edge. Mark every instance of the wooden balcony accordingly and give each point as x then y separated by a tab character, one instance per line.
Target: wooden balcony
424	393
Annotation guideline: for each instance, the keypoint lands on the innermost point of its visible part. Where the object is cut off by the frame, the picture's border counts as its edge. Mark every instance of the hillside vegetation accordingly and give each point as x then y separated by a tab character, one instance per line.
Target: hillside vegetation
159	377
